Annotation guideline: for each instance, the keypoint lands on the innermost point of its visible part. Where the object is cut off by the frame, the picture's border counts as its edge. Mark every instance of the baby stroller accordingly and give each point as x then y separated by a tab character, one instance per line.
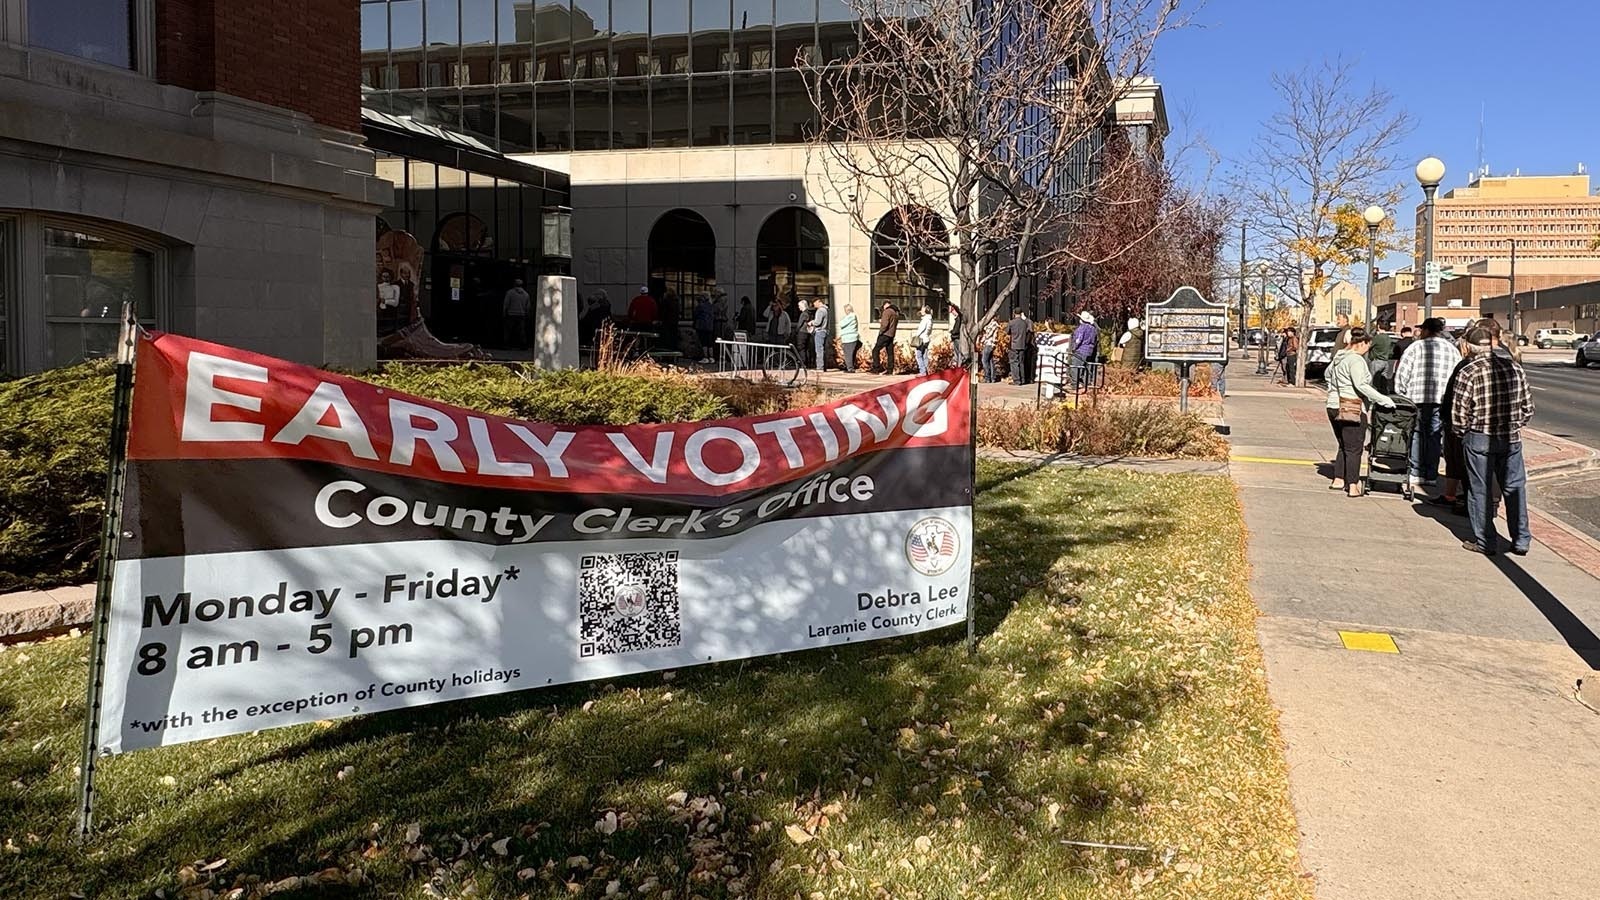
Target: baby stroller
1390	445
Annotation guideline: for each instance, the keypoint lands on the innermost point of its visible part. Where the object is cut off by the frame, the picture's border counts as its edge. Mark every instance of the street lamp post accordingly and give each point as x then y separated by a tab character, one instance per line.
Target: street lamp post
1242	289
1261	354
1429	173
1516	308
1374	216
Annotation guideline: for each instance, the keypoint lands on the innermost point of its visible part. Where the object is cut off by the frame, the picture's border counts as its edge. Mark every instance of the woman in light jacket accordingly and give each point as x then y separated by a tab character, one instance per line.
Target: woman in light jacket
922	339
849	337
1350	395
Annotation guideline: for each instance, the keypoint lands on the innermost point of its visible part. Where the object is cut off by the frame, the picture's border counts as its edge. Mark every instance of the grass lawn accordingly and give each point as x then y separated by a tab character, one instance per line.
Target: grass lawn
1118	697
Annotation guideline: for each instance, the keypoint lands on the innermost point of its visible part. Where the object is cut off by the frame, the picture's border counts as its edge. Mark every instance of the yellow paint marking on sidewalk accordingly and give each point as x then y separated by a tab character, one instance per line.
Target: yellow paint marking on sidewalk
1275	461
1372	641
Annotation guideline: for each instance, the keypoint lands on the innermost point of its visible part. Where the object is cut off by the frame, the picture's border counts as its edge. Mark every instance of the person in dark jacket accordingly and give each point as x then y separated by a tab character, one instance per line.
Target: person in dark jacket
747	318
705	325
1020	331
888	324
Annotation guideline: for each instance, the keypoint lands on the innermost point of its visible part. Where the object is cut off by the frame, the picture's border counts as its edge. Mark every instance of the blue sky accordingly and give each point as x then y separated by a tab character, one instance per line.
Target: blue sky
1529	66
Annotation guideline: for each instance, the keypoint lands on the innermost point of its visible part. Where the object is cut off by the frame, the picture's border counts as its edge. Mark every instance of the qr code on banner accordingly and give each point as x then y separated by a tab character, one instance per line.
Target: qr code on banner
628	602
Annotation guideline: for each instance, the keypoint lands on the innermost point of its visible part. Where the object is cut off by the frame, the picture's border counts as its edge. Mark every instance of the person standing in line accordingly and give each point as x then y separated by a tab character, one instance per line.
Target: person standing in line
705	325
1132	344
593	319
849	337
747	317
888	324
1422	376
987	342
1020	331
671	312
1219	374
778	325
642	310
1381	357
514	307
1350	395
1453	484
923	339
1084	340
818	328
1342	340
958	337
1289	355
1401	346
1492	404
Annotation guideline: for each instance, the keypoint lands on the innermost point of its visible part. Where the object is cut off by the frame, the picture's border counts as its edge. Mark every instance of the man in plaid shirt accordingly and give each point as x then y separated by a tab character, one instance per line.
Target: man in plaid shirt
1422	376
1491	404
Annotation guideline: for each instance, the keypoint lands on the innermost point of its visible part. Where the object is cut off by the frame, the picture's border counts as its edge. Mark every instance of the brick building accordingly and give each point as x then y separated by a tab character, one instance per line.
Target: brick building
202	158
1549	216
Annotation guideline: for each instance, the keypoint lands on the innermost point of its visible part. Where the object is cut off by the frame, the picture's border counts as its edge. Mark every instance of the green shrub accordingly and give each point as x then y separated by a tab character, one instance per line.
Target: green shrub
54	430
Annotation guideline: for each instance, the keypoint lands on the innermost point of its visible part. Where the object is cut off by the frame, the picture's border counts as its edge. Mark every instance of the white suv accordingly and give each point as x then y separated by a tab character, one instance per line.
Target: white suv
1545	338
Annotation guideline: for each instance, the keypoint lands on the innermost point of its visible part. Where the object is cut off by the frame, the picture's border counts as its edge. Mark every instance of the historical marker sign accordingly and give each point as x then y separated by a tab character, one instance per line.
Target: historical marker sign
1186	328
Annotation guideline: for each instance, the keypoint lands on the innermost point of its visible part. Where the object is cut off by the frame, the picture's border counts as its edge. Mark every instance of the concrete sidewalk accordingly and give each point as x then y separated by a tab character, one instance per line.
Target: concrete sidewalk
1460	766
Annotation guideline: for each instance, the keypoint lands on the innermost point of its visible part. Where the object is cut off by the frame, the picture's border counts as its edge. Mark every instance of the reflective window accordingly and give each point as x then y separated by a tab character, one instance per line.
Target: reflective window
791	259
553	117
752	109
796	30
710	37
591	119
630	114
907	269
375	29
516	121
87	278
405	26
669	106
443	29
793	113
97	30
710	119
480	116
752	34
682	254
591	38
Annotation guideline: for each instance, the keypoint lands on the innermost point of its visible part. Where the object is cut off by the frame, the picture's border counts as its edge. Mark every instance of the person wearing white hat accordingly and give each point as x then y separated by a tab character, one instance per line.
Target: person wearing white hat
1132	344
1084	339
642	311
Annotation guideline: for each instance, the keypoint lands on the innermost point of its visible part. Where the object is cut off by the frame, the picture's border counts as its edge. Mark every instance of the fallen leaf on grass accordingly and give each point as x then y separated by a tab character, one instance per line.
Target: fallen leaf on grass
501	847
798	835
923	844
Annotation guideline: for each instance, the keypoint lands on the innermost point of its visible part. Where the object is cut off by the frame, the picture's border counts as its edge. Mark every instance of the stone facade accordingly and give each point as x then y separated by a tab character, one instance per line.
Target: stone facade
262	218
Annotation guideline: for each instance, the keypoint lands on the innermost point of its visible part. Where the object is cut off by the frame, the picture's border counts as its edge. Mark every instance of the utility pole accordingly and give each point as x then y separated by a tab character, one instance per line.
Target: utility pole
1516	308
1242	314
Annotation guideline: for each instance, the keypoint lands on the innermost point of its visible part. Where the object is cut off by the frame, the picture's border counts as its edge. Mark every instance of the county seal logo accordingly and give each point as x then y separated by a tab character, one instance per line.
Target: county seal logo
932	546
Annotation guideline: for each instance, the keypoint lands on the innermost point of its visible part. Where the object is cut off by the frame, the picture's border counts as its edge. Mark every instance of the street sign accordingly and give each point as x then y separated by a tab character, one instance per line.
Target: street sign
1186	328
1430	279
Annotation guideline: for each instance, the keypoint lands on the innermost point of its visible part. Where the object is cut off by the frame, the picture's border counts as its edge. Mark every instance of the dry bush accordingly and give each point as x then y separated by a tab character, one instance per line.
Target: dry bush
1102	429
1124	382
760	398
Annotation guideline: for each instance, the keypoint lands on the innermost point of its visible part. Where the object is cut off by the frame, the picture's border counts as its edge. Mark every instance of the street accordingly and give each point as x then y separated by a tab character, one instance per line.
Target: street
1566	399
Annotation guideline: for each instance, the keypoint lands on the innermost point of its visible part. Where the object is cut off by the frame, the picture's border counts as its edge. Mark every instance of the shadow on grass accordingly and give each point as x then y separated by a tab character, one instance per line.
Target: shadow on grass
897	730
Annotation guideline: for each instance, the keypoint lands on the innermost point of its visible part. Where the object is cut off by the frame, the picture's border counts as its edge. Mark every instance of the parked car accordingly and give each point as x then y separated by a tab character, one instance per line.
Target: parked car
1588	354
1545	338
1319	349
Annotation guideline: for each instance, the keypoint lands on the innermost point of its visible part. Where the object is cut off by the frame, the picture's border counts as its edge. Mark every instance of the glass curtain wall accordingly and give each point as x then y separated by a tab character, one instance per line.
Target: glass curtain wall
557	75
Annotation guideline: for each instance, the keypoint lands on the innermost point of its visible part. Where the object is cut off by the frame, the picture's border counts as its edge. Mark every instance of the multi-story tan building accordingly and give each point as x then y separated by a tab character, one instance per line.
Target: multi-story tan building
1397	282
1549	216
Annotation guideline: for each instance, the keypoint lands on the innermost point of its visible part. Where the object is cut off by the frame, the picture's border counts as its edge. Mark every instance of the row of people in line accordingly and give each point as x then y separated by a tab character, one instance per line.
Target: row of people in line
1472	399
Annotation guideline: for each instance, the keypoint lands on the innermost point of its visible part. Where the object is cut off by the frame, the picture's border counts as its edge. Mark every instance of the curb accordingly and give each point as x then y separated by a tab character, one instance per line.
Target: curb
1576	457
26	615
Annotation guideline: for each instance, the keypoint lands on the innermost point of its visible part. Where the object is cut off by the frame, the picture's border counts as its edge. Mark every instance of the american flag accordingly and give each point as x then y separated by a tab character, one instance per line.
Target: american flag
919	546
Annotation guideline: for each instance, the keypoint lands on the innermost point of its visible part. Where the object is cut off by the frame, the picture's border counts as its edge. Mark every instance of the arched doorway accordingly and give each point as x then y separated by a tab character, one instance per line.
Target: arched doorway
908	267
791	258
683	255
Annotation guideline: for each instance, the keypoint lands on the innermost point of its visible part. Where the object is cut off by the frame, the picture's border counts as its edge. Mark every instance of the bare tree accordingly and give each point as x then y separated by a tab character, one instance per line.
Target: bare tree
982	124
1331	150
1154	233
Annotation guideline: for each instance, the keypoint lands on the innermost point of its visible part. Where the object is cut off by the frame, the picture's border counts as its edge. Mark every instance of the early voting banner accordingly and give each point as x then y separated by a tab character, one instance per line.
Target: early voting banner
298	545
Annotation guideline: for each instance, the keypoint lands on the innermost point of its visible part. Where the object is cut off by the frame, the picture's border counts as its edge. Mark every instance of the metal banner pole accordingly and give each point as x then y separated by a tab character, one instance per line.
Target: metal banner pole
972	577
121	409
1183	387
